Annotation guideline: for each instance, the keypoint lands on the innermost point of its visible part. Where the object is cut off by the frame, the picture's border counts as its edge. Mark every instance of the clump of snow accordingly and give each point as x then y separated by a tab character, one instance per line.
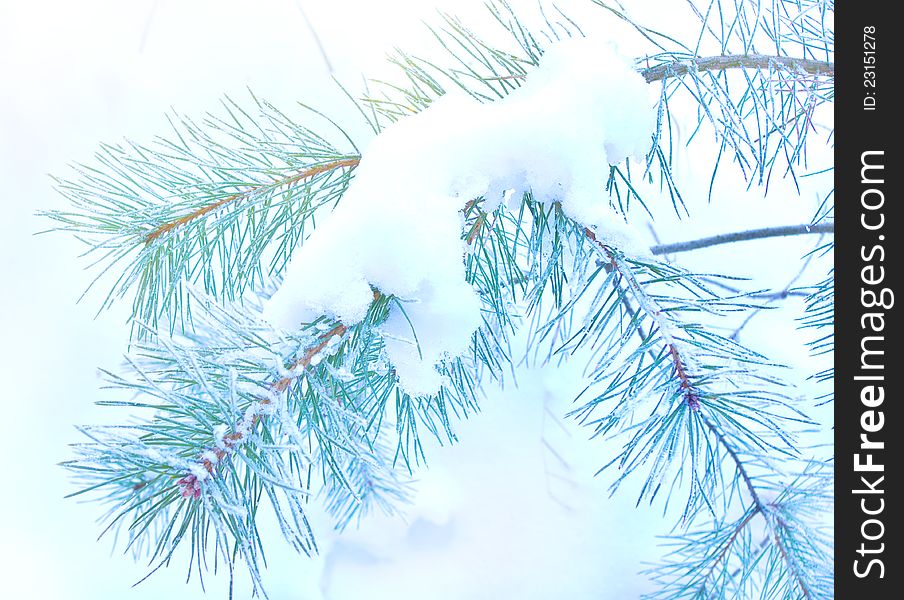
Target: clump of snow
398	228
418	334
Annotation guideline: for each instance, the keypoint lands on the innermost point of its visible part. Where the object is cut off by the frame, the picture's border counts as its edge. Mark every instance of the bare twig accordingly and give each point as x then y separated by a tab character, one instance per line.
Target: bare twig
773	297
743	236
762	295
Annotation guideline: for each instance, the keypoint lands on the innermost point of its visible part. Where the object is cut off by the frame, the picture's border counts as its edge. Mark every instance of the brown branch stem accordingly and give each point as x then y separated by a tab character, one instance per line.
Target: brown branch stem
287	181
738	61
679	68
189	483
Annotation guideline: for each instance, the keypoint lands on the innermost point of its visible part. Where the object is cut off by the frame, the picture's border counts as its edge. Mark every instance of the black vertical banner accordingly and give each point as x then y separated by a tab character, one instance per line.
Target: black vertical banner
868	416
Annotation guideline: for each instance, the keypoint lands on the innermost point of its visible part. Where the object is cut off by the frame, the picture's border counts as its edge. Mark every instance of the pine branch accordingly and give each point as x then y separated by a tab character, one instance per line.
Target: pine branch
726	548
190	484
211	457
167	227
702	64
743	236
680	68
691	397
280	405
767	510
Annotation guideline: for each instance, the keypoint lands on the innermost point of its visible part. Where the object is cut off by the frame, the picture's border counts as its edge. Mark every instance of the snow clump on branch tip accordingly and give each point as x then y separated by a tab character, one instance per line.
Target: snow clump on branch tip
398	227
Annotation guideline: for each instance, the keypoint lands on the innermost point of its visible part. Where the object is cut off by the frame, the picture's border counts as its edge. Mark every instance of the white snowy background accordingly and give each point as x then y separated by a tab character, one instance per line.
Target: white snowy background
529	522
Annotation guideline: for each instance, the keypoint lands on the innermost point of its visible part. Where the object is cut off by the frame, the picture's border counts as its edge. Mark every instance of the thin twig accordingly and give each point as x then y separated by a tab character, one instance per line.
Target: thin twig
763	295
744	236
777	296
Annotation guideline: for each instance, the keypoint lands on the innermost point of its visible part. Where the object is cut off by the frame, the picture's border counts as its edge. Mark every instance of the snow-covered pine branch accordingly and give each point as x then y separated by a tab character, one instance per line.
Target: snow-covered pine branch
496	197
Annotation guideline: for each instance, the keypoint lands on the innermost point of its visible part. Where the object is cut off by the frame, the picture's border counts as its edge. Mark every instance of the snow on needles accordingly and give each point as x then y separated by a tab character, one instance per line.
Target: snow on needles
398	228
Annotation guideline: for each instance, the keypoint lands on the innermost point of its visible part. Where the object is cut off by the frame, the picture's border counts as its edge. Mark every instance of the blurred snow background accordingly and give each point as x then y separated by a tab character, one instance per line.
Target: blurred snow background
531	522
